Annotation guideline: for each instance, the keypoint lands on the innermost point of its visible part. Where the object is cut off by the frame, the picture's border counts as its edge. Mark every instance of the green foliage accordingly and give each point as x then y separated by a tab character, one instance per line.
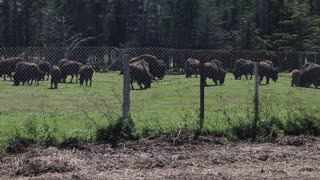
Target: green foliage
241	130
302	122
115	131
241	24
73	113
271	128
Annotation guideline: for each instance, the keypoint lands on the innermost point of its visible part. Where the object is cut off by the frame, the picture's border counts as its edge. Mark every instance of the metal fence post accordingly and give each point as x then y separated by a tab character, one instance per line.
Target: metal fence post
202	86
256	101
126	87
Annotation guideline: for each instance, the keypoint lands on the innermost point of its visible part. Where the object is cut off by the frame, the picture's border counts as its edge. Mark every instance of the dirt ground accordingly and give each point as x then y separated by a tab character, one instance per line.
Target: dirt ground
167	158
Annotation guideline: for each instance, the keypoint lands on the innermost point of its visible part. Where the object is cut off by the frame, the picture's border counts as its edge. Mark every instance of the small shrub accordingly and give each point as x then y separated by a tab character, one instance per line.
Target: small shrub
48	135
116	131
272	128
241	130
305	124
31	128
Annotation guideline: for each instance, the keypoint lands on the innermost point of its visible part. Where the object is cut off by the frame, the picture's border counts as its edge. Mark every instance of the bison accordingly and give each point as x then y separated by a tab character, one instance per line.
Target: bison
27	73
243	67
46	68
86	72
157	67
8	66
310	74
139	72
191	67
215	71
62	61
295	78
70	68
267	69
269	62
55	77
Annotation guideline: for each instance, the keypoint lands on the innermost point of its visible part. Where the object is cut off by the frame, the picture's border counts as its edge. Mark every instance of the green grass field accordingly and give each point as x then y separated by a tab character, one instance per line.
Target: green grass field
172	103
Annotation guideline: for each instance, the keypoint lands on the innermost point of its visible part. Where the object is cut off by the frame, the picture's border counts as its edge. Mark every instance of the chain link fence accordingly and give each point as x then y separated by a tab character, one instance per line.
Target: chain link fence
172	101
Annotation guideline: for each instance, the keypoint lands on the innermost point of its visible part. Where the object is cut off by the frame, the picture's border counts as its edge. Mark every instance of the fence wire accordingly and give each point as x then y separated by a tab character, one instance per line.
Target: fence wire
162	98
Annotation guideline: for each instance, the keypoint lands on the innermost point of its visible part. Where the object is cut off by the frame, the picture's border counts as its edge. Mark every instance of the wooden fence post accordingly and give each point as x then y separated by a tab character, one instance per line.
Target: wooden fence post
126	87
256	101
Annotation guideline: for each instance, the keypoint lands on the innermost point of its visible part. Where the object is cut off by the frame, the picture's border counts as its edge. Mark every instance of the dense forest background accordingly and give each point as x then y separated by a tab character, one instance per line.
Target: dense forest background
281	25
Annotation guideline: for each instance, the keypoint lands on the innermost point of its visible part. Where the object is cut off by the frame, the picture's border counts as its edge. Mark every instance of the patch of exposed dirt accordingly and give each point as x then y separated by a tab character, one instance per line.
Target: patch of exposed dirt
169	157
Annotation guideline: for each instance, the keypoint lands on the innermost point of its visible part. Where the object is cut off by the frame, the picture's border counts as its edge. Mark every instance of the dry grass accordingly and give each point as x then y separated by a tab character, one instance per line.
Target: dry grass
288	158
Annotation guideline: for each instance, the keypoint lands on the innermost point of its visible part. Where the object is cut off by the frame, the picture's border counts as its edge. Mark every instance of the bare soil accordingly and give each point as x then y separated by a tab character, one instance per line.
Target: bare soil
167	158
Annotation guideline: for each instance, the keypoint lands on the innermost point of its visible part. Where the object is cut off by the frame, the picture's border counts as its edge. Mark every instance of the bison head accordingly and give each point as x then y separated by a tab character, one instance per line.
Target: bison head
222	76
161	71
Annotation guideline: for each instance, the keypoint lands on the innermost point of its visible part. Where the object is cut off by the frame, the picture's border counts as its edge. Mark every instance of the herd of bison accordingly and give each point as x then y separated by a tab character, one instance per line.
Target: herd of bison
145	68
21	71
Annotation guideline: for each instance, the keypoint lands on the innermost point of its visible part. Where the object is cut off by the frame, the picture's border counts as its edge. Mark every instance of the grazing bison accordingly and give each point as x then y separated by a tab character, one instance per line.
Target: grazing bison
191	67
8	66
62	61
139	72
215	71
46	68
295	78
269	62
243	67
70	68
310	74
306	65
27	73
267	69
157	67
86	72
55	77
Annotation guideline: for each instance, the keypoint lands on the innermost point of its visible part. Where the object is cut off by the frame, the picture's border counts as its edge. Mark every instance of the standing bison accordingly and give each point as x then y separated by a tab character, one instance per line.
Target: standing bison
215	71
86	72
157	67
139	72
243	67
69	67
8	66
191	67
27	73
62	61
266	69
310	74
55	77
46	68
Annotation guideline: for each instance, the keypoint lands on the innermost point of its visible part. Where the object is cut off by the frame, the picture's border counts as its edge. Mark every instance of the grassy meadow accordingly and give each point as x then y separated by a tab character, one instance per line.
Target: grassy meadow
72	111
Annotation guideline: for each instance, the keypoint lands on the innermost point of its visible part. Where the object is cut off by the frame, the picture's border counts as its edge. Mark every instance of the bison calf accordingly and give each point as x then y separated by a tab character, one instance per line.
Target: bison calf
86	72
55	77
